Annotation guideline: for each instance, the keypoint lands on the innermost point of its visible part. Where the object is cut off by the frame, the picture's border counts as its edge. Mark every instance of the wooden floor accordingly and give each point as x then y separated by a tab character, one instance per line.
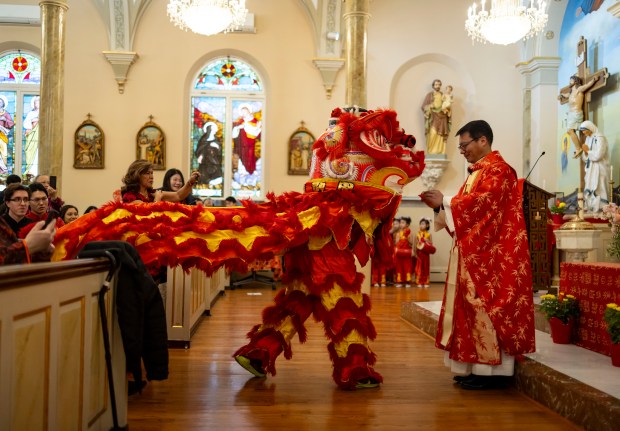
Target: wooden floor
207	390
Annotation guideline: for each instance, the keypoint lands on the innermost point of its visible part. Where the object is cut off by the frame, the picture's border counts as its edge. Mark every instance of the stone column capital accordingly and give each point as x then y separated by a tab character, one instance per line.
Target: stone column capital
58	3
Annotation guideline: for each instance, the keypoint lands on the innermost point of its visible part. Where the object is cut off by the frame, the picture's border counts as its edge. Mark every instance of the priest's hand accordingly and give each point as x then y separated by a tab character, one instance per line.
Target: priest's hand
432	198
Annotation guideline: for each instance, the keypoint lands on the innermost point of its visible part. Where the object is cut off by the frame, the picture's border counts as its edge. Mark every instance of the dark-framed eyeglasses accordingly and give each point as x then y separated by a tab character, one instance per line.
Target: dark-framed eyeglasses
19	200
464	145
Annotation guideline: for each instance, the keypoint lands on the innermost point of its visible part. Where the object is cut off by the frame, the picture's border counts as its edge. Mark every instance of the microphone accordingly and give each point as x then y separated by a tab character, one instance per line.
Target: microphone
530	173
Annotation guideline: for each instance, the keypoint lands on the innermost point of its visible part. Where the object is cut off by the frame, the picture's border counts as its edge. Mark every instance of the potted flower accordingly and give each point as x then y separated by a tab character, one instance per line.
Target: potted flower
562	312
612	318
557	211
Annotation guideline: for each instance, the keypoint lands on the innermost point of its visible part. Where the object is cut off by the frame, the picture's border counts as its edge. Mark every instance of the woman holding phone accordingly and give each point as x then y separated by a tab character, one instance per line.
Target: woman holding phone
138	185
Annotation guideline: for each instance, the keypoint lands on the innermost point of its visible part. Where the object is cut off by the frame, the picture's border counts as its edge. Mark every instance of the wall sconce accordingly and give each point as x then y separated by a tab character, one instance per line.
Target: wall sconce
333	35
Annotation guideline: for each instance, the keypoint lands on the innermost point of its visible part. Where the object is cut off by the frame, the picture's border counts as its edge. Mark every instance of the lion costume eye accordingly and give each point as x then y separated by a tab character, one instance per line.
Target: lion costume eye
374	144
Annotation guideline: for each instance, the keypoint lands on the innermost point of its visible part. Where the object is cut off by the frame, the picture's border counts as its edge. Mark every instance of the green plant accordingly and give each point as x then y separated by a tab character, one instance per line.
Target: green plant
612	318
558	208
563	306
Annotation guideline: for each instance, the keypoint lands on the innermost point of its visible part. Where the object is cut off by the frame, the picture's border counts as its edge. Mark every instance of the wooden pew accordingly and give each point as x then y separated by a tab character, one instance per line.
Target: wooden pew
188	297
52	363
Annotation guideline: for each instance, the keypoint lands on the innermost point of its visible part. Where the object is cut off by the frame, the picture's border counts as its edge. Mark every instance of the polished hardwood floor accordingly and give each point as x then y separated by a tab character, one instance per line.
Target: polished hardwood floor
207	390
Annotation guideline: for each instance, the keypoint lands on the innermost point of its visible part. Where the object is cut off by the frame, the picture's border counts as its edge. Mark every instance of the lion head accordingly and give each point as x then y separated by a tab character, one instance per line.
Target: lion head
368	147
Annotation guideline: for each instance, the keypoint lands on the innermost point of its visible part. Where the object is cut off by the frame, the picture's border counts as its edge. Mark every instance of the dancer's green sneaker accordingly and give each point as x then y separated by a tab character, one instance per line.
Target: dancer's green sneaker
253	368
367	383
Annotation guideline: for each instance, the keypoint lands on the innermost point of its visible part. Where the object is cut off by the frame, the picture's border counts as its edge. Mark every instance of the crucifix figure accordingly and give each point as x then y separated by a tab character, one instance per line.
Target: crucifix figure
578	94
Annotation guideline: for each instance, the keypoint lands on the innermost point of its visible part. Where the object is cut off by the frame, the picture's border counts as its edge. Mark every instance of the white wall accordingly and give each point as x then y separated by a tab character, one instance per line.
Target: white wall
410	44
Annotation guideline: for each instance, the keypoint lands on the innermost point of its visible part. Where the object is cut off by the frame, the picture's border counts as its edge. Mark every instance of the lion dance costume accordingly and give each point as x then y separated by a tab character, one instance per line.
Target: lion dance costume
359	166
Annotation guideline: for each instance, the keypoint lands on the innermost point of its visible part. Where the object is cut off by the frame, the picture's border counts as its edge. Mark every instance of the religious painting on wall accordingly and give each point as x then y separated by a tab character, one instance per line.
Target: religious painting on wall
300	151
589	49
247	148
208	119
151	145
89	145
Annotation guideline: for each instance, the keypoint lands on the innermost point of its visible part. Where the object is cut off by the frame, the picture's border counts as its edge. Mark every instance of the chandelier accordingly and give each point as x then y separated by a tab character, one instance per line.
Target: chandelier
507	21
207	17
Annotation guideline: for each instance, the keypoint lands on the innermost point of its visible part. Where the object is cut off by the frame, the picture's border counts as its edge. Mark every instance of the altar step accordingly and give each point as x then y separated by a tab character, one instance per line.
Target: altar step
577	383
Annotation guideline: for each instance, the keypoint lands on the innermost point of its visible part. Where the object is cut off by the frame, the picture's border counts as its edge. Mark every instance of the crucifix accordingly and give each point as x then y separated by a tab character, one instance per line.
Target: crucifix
578	95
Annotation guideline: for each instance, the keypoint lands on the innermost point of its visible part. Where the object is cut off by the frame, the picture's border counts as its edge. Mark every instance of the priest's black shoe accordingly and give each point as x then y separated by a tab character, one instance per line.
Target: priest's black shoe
481	383
461	379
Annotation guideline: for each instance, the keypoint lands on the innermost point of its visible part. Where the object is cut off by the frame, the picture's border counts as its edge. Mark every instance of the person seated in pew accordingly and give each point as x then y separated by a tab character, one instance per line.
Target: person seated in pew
16	198
69	213
54	201
39	209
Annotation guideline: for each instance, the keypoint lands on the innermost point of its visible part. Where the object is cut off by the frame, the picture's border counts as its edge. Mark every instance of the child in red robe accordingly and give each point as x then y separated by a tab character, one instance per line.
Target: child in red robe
424	248
403	254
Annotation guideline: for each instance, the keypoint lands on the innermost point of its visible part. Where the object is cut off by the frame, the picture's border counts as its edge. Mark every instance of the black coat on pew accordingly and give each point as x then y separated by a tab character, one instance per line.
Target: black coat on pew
140	310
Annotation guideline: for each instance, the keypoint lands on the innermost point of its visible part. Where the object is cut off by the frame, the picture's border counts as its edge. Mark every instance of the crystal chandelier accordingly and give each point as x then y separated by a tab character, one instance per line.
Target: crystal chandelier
207	16
507	21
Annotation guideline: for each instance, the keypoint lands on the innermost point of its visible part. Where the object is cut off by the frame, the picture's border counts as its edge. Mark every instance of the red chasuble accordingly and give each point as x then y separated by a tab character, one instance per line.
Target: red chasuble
494	260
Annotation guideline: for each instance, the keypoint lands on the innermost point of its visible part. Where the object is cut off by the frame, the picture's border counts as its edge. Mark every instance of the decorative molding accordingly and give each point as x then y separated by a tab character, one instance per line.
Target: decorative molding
433	171
121	61
614	9
539	71
119	25
332	24
121	18
329	68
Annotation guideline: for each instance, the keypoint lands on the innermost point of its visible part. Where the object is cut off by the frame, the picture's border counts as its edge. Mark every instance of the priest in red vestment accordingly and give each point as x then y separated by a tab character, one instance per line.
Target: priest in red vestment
487	314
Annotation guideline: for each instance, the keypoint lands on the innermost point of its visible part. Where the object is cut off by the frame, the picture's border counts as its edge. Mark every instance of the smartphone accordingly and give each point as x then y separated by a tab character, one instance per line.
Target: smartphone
52	215
53	181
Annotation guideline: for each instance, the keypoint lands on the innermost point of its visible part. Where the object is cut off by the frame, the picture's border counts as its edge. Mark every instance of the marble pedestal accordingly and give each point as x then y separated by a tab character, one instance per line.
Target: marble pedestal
577	243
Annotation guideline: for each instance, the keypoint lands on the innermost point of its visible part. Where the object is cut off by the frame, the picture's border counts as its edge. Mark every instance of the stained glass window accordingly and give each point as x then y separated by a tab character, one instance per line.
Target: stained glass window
20	75
226	128
228	74
20	68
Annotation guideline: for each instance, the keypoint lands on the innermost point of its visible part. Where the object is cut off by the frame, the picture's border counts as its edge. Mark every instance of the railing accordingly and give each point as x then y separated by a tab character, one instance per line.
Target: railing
52	363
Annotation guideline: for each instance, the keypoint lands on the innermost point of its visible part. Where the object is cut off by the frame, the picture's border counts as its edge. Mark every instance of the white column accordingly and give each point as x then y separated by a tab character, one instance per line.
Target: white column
540	87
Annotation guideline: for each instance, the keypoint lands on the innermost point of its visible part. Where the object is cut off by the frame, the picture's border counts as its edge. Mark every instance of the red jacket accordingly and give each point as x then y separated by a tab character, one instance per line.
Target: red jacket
26	229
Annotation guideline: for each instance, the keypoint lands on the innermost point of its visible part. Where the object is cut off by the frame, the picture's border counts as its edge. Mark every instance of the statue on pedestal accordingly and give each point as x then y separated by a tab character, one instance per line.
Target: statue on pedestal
437	108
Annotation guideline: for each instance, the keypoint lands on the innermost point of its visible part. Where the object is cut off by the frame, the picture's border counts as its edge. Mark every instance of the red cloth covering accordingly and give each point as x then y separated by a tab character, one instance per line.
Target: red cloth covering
492	240
595	285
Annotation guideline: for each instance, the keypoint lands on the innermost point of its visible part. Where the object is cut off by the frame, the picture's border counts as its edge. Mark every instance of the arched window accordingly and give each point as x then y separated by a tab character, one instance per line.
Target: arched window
227	105
20	76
